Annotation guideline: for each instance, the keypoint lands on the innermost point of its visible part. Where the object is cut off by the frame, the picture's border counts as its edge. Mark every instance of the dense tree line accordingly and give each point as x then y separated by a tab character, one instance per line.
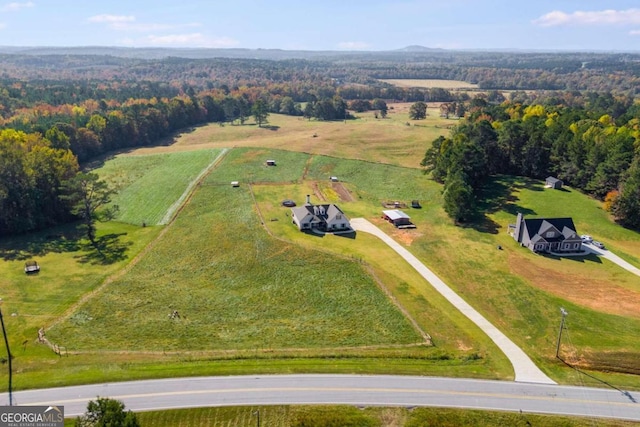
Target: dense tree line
615	72
41	146
60	110
594	148
32	170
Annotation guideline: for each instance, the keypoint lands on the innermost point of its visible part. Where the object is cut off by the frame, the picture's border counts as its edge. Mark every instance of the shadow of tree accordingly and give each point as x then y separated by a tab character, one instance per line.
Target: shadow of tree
58	240
270	127
498	194
107	250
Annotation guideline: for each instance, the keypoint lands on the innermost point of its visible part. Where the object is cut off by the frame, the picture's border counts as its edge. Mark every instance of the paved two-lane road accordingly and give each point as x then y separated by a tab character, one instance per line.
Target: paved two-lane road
406	391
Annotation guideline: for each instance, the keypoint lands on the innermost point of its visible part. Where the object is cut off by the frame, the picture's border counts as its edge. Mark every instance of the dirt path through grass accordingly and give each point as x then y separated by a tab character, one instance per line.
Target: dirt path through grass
178	203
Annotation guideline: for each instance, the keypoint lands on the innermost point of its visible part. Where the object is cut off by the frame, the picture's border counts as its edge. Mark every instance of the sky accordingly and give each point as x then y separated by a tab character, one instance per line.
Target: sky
370	25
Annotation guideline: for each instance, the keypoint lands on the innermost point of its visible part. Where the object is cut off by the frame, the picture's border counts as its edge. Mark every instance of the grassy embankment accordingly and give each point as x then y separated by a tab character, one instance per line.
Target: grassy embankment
348	416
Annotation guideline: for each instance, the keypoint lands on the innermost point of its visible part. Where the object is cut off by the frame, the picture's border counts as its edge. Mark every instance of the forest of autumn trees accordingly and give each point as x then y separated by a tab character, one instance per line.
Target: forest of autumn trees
594	147
60	111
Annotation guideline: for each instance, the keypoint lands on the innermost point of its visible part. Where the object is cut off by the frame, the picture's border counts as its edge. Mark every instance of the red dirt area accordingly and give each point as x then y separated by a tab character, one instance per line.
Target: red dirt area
344	194
597	295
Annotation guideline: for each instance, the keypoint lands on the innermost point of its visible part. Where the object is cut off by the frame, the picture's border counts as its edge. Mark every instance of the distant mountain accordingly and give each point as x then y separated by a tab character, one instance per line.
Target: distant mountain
418	48
201	53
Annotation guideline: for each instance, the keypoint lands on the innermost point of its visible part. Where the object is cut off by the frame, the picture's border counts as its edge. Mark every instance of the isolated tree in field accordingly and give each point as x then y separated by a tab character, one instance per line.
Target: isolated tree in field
418	111
379	104
309	110
260	112
89	196
105	412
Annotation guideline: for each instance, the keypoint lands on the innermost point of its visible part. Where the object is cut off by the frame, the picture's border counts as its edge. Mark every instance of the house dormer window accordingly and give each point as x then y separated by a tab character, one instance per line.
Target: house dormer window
549	234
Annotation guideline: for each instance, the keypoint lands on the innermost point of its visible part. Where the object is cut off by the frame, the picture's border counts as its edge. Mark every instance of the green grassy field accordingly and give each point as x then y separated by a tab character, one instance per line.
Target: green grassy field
235	289
347	416
519	291
148	186
238	273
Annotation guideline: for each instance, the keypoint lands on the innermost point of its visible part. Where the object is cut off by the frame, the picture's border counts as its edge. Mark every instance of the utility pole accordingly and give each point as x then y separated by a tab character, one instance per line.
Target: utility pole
6	343
564	314
257	413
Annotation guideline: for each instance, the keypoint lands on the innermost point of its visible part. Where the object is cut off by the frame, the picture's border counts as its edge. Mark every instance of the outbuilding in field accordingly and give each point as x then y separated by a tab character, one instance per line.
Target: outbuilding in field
271	162
398	218
235	184
552	182
334	179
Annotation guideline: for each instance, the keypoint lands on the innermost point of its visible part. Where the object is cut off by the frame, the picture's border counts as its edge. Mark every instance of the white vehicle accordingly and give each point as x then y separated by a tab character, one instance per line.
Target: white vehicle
586	238
598	244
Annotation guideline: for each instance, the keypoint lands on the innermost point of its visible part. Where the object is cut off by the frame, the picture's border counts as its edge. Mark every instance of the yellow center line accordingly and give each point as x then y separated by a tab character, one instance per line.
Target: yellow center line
361	390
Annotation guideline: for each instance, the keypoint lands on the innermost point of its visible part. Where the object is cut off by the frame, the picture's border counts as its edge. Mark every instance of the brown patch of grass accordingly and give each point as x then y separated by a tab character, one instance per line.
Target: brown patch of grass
365	138
600	295
406	236
619	361
342	192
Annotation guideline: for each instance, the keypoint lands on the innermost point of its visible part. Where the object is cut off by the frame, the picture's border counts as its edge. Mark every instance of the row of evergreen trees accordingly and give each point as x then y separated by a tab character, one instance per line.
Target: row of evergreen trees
599	155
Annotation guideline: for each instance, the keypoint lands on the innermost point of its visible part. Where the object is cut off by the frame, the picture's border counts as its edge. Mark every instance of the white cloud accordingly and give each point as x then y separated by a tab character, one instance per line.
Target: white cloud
128	23
182	40
598	17
15	6
3	25
634	33
112	19
353	45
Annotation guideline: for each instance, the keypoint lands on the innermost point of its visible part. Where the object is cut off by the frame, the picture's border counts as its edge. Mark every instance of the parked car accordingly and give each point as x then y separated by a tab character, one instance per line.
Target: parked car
586	238
288	203
597	244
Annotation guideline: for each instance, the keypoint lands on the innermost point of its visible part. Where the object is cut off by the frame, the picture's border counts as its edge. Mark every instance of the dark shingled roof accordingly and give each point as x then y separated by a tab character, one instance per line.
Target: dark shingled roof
533	224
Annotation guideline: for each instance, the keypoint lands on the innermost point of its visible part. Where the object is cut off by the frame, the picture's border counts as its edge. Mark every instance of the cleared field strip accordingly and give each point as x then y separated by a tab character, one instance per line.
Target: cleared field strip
151	187
431	83
172	209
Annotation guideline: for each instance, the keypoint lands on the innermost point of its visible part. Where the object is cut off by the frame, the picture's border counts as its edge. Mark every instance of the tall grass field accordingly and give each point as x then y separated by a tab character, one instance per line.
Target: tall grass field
148	186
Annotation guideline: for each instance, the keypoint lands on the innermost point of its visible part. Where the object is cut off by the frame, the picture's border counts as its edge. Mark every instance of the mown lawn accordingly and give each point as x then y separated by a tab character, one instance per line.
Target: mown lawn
148	186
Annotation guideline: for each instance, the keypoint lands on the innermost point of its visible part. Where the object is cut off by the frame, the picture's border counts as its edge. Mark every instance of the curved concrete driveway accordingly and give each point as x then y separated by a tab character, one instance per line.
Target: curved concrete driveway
613	258
525	369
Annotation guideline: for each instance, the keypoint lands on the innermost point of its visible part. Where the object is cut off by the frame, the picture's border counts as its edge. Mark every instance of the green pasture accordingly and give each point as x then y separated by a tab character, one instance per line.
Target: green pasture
349	416
255	295
249	166
467	259
148	186
235	288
